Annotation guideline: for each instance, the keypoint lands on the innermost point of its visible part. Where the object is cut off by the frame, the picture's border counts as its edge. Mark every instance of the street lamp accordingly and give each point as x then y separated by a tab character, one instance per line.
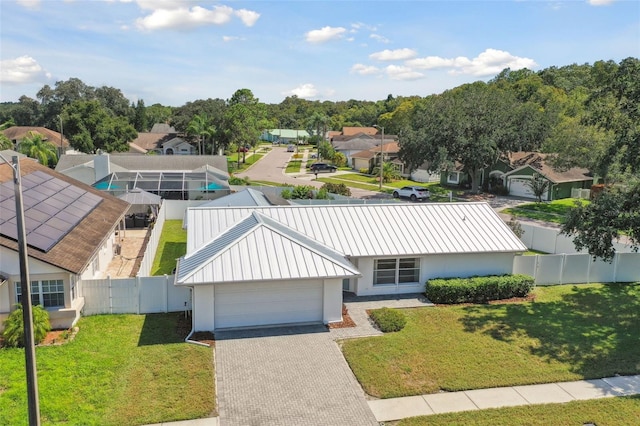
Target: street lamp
29	345
381	152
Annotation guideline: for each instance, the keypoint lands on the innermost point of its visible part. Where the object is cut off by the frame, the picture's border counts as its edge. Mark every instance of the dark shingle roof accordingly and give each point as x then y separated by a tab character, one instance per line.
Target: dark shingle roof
73	252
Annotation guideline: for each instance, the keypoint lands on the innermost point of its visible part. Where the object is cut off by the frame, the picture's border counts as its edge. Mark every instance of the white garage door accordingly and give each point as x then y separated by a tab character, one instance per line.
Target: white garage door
520	188
255	304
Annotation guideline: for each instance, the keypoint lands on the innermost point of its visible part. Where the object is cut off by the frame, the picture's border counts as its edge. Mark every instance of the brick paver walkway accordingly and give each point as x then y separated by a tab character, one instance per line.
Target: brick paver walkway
286	376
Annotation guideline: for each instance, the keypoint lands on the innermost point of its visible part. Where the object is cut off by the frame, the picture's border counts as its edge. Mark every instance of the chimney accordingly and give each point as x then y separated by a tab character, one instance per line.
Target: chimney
101	165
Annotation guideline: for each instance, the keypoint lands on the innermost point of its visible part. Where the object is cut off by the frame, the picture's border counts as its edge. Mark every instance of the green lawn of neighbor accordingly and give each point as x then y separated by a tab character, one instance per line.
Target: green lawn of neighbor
623	411
554	211
569	332
119	370
293	166
251	158
172	245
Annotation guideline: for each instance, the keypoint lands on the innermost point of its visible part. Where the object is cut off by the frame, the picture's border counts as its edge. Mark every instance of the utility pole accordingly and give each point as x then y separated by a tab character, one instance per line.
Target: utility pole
25	285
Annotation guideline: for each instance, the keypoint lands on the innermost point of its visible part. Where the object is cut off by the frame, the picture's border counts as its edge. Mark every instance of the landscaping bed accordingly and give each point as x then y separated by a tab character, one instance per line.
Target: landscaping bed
569	332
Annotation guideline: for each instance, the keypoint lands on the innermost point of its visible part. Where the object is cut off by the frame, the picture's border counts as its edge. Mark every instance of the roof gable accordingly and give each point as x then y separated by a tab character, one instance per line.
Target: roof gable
272	252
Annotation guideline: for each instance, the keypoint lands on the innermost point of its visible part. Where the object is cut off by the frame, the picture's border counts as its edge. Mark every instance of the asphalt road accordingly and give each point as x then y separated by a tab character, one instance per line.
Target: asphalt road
272	166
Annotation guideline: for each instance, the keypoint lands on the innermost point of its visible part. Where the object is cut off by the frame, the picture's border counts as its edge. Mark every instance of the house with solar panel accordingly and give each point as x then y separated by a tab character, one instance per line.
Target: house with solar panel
268	265
70	234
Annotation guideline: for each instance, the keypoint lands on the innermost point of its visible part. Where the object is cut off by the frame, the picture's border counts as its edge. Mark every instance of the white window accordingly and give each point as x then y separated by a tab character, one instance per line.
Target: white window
48	293
453	177
396	271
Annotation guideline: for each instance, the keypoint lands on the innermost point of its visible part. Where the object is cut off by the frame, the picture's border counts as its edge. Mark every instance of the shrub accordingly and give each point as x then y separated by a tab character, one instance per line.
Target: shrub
286	194
302	192
478	289
337	188
388	320
14	327
233	180
364	170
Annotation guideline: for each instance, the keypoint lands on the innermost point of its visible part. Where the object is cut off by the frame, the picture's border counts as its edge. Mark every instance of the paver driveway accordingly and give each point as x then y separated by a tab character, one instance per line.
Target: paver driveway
286	376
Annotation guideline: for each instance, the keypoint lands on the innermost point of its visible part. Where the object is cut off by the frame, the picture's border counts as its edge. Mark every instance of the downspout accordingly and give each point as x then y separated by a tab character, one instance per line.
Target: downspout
188	338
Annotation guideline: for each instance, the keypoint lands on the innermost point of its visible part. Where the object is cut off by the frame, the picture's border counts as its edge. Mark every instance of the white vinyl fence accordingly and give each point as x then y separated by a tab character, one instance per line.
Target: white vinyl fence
139	295
170	210
580	193
578	268
549	240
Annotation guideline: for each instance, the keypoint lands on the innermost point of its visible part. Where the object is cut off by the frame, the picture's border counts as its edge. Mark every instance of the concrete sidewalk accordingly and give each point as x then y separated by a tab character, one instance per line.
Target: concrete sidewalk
449	402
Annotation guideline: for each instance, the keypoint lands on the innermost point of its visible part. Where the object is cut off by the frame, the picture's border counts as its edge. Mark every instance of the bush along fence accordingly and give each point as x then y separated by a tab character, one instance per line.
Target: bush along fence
478	289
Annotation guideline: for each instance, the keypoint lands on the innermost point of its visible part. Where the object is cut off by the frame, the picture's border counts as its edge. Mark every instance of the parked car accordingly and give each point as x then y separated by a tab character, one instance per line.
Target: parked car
323	167
291	148
412	192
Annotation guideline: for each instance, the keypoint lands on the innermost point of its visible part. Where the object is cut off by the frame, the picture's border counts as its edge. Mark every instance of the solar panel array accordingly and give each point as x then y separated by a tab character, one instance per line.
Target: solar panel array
52	208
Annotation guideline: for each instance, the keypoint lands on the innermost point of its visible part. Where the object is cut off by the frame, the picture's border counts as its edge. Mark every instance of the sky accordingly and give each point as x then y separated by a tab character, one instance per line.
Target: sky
174	51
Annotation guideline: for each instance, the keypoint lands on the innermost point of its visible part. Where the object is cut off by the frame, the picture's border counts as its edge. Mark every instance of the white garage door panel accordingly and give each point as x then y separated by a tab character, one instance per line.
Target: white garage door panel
250	304
519	188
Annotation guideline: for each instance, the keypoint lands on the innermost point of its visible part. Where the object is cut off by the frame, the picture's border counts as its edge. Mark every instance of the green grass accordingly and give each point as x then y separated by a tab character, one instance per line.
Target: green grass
533	252
569	333
608	411
232	161
119	370
554	211
293	166
172	245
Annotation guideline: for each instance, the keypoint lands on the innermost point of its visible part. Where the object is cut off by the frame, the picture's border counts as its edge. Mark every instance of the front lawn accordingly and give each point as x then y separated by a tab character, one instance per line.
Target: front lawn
119	370
569	332
608	411
172	245
293	166
554	211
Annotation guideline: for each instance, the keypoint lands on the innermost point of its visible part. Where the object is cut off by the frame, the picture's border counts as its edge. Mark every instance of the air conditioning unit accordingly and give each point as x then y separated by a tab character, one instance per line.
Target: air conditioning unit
117	248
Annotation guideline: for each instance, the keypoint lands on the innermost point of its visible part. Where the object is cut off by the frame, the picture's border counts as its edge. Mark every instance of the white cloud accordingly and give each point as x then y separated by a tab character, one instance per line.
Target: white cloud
364	69
396	72
22	70
29	4
303	91
167	14
489	62
394	55
227	39
324	34
379	38
600	2
248	17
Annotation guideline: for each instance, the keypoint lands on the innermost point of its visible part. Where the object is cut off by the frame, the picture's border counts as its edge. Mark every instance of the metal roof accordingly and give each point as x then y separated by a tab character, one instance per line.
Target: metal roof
245	198
399	229
269	251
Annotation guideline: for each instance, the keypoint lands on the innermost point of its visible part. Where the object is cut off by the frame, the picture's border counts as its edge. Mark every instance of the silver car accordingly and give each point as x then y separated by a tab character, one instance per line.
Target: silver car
412	192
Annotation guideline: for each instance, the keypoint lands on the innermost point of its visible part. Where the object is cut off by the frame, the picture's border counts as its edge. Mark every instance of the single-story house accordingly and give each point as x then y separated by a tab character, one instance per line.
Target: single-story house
514	170
370	158
353	144
153	140
284	136
171	177
70	232
267	265
17	133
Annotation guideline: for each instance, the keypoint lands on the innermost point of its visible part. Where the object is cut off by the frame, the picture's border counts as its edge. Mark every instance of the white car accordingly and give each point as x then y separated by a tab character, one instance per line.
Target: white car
412	192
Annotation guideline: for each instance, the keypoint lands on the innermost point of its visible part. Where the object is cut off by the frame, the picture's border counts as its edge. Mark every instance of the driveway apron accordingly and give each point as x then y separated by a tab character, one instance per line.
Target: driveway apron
286	376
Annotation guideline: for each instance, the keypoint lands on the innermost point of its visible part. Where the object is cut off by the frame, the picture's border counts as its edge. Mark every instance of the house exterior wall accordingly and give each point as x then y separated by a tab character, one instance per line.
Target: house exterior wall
362	163
203	319
563	190
435	266
332	301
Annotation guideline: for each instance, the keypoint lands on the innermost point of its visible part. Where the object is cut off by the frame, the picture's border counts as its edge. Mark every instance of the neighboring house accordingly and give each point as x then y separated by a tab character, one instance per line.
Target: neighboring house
182	177
560	182
284	136
254	266
18	133
516	169
371	158
423	175
71	231
353	144
178	146
352	131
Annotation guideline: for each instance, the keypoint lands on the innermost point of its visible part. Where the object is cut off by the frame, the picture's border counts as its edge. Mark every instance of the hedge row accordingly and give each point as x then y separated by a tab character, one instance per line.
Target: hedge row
478	289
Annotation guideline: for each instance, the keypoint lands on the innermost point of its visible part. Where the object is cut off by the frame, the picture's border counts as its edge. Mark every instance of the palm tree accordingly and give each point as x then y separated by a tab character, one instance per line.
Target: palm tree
5	142
35	146
199	126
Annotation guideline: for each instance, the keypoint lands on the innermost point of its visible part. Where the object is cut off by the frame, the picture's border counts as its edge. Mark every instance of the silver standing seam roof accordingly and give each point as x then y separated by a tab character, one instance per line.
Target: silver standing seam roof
399	229
269	251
